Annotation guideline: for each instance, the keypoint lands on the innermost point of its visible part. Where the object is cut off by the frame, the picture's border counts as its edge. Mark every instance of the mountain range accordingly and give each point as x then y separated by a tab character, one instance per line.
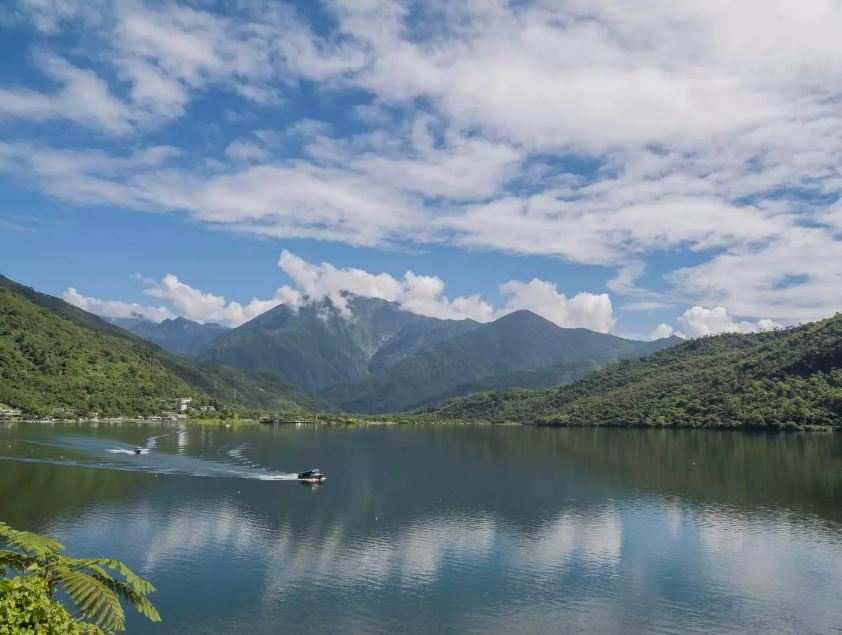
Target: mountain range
55	357
317	346
378	357
179	335
519	349
368	356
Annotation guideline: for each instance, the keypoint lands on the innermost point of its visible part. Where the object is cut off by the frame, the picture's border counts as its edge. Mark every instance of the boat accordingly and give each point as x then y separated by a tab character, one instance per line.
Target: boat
312	476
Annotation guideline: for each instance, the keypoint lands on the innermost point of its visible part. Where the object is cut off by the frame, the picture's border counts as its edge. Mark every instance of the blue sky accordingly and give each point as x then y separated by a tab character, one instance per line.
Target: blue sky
641	172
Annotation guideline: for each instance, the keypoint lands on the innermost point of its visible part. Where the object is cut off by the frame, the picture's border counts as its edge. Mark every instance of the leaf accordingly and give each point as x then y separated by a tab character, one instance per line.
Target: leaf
138	584
15	560
28	542
93	597
140	602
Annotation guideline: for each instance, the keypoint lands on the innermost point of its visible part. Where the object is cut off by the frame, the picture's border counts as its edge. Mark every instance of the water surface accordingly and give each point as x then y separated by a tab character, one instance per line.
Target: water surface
447	529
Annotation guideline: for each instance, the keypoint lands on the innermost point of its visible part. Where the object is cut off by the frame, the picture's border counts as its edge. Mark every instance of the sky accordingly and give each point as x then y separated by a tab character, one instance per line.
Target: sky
636	167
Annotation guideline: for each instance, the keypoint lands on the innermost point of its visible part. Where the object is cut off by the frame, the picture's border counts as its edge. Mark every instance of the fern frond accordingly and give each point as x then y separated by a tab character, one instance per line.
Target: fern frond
29	542
138	584
15	560
139	600
93	597
92	584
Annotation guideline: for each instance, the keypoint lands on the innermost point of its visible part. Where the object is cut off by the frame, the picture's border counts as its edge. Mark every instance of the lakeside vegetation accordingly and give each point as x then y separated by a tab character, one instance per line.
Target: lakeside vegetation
95	586
783	380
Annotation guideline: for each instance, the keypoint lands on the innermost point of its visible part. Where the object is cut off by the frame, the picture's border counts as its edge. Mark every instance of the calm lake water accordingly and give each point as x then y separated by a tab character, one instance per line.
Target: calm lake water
448	529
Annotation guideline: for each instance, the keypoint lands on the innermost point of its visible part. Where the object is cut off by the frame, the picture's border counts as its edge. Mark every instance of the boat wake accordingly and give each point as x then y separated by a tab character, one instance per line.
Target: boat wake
108	454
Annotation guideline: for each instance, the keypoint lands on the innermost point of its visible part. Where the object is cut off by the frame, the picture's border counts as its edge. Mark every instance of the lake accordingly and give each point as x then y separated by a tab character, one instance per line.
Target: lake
447	529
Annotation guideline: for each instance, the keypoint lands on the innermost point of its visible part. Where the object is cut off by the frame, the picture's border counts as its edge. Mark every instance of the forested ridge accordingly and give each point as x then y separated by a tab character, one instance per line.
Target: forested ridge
56	358
786	379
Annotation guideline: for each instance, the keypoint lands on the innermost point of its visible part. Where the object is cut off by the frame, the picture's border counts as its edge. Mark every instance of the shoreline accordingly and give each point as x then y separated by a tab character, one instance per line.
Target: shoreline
403	420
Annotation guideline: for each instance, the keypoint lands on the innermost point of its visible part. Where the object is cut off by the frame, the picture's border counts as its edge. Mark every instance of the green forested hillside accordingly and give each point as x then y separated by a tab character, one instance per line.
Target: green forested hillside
55	357
519	349
784	379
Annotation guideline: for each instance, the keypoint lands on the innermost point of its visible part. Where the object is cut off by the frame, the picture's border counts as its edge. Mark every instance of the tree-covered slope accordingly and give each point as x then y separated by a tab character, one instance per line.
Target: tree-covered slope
519	349
180	335
783	379
55	357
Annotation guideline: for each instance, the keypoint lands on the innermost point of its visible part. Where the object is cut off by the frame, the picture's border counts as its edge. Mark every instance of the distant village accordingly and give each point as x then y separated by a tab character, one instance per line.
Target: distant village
171	410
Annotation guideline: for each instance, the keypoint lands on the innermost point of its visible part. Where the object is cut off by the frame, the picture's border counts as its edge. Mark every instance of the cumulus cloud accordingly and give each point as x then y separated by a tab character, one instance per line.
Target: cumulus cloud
311	282
586	310
116	308
424	295
661	331
419	294
206	307
699	321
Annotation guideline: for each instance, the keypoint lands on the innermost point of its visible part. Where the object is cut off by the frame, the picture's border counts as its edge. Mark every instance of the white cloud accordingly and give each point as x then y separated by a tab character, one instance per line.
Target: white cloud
425	295
549	76
170	53
584	310
702	126
246	150
661	331
460	169
419	294
206	307
83	97
699	321
415	293
93	176
50	16
115	308
795	277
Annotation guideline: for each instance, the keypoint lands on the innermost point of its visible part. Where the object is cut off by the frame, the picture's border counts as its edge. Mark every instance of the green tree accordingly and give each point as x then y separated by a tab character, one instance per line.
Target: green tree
96	586
27	608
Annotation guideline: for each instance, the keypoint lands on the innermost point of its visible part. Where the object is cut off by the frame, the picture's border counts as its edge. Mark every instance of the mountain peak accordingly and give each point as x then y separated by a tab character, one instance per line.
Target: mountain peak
524	316
178	335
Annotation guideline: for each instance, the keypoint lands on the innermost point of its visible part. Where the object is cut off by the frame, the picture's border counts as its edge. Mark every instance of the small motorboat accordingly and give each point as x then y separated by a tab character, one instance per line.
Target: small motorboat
312	476
138	450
